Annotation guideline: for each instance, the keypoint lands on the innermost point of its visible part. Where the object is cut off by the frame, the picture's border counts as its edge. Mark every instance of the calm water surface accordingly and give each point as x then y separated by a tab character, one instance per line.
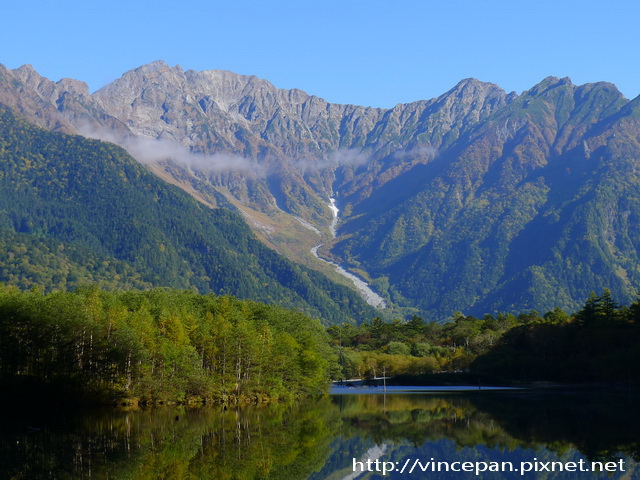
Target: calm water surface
319	440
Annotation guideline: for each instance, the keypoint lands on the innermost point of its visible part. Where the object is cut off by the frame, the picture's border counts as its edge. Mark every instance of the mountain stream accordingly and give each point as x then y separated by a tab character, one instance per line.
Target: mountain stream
371	297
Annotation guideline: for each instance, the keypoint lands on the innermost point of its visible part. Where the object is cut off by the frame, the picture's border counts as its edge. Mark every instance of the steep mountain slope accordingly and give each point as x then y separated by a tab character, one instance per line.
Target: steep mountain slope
232	140
84	210
532	209
476	200
272	151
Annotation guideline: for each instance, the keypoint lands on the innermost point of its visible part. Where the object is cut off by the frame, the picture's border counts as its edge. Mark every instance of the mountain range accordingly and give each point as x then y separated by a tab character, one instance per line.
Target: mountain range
478	200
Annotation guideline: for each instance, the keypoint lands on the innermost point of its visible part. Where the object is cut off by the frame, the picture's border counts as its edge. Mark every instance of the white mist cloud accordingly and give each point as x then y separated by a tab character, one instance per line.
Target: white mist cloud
337	158
148	150
426	152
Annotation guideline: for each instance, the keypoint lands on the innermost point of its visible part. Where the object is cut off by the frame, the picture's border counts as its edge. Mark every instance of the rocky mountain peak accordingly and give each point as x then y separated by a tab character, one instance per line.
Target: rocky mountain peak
75	87
28	76
472	87
601	88
157	73
469	101
547	84
157	66
25	70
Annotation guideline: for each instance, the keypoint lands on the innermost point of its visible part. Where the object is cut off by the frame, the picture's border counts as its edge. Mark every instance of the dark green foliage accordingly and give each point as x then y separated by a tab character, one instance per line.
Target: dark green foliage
28	261
418	348
601	343
83	210
600	311
158	345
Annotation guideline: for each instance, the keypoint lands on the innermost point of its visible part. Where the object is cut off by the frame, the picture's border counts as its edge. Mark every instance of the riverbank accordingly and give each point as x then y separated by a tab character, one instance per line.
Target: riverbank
33	395
391	389
469	382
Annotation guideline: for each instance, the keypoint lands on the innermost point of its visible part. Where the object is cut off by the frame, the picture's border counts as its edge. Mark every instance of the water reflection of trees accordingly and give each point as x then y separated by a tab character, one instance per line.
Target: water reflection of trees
276	442
420	419
598	425
291	442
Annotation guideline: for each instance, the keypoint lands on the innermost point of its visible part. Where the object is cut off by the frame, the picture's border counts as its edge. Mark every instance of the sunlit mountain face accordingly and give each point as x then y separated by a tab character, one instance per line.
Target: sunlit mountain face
476	201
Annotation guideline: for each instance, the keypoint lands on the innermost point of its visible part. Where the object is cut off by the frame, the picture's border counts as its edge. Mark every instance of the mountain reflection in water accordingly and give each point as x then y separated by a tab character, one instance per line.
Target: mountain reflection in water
319	439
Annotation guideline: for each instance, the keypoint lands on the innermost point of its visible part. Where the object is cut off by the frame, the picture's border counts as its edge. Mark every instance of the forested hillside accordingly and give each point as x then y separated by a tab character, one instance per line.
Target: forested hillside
74	210
532	208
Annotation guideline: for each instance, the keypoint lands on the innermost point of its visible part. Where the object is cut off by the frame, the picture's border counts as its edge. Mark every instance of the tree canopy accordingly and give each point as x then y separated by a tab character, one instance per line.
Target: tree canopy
159	345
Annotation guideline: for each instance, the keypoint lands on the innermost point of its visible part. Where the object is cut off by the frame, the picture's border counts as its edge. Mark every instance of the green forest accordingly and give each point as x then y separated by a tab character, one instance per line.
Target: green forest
160	345
157	346
599	343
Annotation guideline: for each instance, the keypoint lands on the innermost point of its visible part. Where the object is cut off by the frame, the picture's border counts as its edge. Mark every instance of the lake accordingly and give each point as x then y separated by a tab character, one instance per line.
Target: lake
329	438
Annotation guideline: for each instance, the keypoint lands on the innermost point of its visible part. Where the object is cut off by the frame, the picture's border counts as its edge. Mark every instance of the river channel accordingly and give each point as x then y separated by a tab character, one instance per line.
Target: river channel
371	297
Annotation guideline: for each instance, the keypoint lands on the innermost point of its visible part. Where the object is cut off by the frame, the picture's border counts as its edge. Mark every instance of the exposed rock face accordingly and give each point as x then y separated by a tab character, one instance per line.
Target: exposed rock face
27	101
477	199
297	139
63	106
218	111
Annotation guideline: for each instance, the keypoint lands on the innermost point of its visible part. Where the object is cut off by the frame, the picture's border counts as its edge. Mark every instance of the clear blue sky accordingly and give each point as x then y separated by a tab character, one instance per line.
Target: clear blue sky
373	53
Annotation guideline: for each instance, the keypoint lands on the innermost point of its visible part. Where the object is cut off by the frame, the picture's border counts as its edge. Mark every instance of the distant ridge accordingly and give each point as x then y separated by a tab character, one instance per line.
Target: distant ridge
477	200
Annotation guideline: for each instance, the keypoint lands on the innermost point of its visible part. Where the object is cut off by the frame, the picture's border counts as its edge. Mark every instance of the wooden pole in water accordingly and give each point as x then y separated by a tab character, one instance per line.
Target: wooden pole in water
384	378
